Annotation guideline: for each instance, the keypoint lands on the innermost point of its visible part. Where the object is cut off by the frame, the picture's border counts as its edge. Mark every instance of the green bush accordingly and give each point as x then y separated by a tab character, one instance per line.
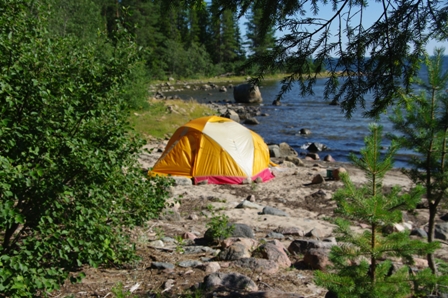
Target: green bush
136	90
362	263
421	120
219	228
69	183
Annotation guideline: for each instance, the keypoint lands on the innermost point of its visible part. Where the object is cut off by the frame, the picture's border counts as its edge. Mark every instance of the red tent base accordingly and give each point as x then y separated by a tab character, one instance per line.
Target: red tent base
265	175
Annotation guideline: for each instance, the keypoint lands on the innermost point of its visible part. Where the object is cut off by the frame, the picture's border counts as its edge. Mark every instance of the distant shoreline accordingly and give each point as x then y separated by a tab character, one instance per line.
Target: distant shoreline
229	78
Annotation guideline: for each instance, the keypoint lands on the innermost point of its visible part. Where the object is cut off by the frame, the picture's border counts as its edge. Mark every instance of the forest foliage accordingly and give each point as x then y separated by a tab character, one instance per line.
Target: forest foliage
182	39
71	71
70	186
362	263
368	47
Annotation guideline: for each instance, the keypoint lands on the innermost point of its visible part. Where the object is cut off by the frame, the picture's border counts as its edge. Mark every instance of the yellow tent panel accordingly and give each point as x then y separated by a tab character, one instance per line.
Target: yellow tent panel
215	149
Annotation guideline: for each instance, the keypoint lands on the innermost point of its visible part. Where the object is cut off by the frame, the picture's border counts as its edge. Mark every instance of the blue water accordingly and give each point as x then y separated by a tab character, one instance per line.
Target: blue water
326	122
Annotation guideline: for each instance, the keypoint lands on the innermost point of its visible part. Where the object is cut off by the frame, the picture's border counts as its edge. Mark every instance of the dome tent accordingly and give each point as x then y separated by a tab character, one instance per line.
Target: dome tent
215	149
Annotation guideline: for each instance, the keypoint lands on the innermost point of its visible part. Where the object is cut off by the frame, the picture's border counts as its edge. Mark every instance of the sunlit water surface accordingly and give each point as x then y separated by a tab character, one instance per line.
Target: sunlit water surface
327	123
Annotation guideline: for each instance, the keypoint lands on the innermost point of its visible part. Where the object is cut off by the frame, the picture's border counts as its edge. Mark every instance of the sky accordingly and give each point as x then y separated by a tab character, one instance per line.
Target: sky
370	15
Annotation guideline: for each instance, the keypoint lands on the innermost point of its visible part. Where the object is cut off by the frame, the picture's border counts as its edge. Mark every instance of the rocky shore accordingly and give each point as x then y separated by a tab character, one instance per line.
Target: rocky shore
281	236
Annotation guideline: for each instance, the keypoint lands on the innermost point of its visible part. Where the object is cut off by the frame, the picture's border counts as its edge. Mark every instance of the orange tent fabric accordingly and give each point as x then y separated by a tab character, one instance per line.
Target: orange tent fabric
215	149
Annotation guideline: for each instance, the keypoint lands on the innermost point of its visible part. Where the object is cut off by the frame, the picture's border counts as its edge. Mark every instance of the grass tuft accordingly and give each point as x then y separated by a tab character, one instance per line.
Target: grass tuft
163	117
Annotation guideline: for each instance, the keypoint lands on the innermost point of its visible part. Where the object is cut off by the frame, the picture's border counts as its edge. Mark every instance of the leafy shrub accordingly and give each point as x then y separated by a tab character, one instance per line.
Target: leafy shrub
136	90
219	228
70	187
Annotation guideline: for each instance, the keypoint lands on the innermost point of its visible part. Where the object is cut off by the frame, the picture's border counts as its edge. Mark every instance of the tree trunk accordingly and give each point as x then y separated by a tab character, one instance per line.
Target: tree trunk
431	223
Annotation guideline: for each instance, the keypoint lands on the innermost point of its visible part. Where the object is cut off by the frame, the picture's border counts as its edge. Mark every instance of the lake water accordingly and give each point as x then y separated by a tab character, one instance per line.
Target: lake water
326	122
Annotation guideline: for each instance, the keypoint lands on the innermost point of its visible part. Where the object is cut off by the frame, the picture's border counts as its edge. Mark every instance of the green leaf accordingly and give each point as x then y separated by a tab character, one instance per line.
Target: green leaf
19	218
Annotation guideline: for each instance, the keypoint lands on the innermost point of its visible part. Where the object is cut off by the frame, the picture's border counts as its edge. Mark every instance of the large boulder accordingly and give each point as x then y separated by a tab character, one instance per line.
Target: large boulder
247	93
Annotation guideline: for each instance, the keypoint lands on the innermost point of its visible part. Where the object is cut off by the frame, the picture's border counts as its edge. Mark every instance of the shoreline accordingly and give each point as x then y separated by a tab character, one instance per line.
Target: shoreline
228	79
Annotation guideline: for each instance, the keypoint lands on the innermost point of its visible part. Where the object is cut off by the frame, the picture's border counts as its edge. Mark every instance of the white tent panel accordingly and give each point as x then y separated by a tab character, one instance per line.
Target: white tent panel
236	140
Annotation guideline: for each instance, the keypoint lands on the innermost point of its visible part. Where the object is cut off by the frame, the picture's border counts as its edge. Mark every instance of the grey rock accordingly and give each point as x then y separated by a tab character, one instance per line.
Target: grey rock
273	251
182	181
231	114
274	211
314	147
206	87
274	151
329	158
210	267
257	265
239	230
232	281
168	240
275	235
441	231
301	246
305	131
198	249
314	233
287	150
162	265
156	243
290	231
242	230
419	232
295	160
313	156
251	121
247	93
234	252
248	205
190	263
